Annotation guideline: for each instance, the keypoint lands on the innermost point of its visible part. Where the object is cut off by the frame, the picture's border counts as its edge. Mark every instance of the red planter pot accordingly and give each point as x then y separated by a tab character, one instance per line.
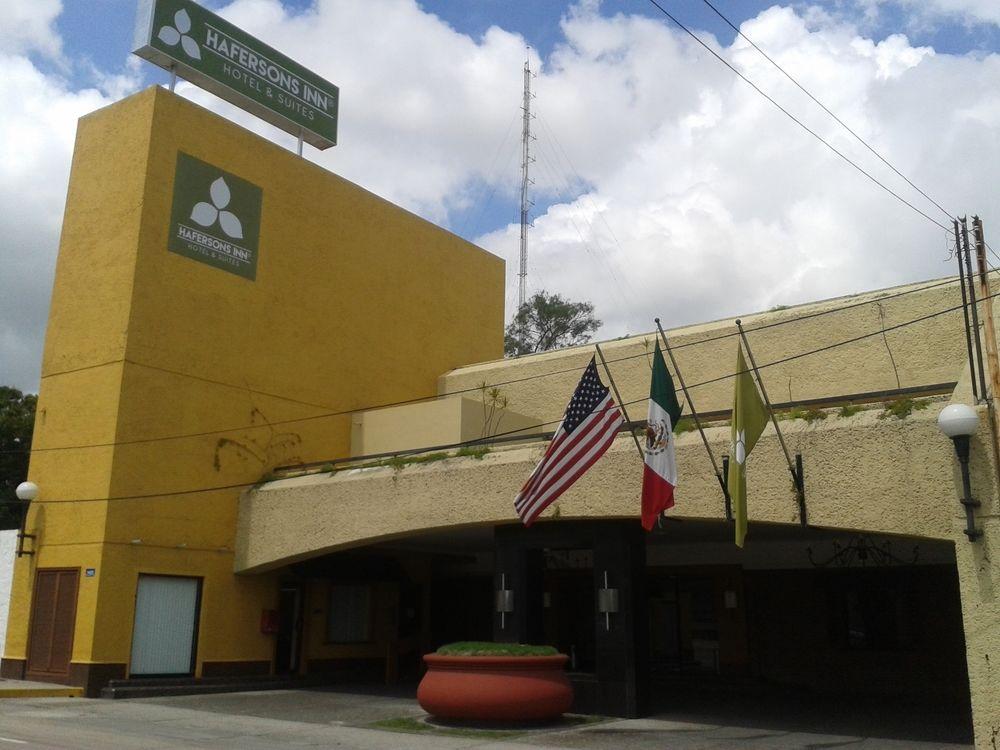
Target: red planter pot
495	688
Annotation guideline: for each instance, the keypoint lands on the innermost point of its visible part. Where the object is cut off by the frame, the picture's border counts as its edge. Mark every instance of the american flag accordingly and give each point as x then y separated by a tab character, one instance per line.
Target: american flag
587	430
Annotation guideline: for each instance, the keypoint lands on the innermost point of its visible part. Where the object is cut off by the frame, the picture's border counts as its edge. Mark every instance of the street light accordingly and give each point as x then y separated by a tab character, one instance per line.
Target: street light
959	422
26	492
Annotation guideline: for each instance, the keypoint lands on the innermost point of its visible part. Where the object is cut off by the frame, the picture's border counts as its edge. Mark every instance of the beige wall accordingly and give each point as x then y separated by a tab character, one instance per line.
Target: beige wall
861	472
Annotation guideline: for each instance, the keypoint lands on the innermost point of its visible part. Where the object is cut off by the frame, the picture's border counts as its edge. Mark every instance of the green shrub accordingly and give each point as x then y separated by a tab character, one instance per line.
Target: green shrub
488	648
473	451
849	410
901	408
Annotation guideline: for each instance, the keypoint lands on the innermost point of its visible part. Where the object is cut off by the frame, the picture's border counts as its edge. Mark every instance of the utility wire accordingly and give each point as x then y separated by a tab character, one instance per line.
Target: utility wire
796	120
472	389
825	108
486	440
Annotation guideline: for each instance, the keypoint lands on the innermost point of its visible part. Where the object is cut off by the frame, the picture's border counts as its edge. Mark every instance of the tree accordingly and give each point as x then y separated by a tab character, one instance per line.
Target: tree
547	321
17	419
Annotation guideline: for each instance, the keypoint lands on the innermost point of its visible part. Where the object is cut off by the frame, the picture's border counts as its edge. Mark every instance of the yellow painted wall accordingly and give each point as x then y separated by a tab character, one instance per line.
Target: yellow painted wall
203	380
432	423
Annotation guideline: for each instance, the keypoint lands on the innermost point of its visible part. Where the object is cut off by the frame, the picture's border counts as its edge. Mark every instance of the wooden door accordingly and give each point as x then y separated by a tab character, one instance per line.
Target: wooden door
53	619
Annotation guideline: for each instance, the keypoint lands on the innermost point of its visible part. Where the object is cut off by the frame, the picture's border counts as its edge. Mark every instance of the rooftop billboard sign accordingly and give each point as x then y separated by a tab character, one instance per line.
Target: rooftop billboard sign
184	37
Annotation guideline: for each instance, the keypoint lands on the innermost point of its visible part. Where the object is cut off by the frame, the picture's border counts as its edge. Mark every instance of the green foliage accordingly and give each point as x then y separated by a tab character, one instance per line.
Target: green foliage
473	451
683	425
398	462
809	415
901	408
849	410
412	725
489	648
494	406
17	419
778	308
547	321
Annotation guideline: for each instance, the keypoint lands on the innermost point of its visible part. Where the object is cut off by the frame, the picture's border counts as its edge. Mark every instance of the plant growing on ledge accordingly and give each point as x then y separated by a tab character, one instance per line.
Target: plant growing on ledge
489	648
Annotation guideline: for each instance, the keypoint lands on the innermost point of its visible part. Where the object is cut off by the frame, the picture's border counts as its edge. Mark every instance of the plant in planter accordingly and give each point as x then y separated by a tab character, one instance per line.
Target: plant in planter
495	682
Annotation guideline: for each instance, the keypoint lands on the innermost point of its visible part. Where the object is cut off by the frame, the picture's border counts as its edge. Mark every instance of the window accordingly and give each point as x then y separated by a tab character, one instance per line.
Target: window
348	618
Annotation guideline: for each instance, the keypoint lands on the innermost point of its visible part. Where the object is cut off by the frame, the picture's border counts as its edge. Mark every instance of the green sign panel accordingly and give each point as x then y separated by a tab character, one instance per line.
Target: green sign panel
215	217
182	36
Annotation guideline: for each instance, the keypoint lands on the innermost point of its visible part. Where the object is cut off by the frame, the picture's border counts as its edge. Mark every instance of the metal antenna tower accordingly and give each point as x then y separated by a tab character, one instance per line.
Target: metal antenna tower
525	181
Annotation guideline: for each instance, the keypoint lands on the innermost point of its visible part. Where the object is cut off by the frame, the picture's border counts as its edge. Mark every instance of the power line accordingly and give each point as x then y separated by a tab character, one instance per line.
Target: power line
825	108
796	120
472	389
486	440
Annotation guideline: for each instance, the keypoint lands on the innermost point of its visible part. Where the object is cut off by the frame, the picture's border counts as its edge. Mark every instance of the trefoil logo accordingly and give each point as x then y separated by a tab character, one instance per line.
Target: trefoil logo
170	35
206	214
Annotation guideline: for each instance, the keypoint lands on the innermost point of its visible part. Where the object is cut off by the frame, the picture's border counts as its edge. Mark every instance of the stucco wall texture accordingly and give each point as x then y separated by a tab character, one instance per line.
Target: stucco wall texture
168	384
865	472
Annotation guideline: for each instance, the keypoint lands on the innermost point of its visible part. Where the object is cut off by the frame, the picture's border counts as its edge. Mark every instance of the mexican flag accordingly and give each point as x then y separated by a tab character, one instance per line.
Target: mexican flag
749	420
659	475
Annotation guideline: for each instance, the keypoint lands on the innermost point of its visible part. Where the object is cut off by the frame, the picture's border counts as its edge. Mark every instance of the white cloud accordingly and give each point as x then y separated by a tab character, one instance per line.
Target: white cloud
700	198
927	11
27	26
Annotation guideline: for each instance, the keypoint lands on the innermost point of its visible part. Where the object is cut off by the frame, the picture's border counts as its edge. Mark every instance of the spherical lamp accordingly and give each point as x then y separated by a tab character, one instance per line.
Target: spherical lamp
26	491
958	420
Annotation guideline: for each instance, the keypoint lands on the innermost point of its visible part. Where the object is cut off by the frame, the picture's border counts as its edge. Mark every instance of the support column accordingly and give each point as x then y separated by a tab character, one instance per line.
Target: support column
979	583
521	570
622	647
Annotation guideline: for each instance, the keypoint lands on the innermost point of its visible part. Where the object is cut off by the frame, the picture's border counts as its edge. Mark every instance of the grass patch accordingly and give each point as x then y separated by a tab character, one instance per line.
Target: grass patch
901	408
849	410
416	725
684	424
473	451
411	725
398	462
488	648
809	415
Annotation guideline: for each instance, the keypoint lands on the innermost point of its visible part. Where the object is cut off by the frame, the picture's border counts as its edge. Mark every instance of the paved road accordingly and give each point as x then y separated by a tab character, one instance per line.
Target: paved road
328	719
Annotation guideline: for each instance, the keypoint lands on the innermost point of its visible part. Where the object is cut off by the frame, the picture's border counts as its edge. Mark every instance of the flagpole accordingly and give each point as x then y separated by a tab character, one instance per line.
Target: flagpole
621	403
767	401
694	412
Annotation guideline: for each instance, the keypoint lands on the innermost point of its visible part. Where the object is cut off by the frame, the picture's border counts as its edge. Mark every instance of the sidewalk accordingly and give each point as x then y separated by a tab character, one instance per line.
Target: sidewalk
27	689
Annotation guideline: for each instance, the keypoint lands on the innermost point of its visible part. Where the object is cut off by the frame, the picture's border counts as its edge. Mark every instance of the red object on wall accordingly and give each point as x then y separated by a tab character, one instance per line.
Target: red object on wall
269	621
495	688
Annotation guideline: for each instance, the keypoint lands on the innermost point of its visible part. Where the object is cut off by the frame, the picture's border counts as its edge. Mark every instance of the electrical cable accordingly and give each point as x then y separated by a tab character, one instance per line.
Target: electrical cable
472	389
486	440
825	108
796	120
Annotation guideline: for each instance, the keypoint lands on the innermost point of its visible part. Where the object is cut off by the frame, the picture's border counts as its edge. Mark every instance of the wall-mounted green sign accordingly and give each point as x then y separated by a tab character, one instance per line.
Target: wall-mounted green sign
182	36
215	217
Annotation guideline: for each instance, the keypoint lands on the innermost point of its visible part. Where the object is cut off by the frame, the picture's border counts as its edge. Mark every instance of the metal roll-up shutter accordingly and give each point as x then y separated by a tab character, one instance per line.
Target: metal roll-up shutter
166	624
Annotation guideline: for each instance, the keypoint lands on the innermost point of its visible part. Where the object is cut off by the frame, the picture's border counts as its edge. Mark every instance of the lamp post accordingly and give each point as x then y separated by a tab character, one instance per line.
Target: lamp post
959	422
26	492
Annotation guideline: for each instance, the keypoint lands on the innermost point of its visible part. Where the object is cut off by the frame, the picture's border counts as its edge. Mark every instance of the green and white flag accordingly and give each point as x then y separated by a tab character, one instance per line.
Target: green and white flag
749	421
659	476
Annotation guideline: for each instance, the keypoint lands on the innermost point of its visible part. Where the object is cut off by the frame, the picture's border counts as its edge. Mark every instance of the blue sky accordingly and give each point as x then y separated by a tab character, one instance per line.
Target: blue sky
108	44
656	167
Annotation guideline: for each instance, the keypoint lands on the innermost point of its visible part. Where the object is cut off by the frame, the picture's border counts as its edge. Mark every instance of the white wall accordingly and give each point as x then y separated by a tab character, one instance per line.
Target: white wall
8	543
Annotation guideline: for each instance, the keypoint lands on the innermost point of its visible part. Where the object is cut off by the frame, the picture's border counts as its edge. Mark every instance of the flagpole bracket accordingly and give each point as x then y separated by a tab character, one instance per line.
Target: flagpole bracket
800	490
724	481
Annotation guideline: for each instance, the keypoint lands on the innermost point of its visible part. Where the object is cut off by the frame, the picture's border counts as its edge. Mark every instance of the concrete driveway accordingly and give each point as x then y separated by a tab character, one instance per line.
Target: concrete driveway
340	719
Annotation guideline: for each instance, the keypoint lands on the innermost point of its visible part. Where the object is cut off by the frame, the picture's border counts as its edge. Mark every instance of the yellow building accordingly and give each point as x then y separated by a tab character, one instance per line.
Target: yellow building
258	388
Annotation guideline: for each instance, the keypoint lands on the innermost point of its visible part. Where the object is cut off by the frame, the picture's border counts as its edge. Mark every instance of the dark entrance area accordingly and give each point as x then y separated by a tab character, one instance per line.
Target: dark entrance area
288	640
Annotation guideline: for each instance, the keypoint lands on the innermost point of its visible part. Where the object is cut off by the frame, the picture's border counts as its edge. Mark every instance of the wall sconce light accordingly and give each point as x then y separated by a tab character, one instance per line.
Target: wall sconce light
504	601
26	492
607	602
959	422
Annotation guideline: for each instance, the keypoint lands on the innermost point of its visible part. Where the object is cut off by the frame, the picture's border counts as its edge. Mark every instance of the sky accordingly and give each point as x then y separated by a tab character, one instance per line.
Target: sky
663	184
